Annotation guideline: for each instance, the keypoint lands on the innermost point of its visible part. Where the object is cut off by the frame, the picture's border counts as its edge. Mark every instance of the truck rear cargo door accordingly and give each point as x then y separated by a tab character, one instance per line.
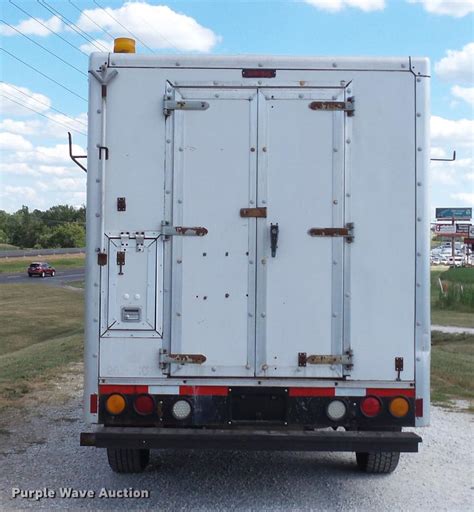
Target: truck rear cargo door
300	277
213	276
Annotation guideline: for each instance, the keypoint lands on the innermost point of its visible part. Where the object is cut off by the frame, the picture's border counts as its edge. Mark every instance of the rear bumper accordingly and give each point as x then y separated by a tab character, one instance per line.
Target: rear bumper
254	440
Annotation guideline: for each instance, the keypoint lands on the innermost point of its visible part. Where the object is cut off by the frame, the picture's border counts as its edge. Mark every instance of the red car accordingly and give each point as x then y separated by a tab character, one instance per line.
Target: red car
42	269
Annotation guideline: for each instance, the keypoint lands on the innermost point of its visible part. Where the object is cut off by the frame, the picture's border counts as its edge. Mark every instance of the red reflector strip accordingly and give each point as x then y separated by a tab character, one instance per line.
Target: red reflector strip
204	390
390	392
106	389
312	392
259	73
419	407
93	404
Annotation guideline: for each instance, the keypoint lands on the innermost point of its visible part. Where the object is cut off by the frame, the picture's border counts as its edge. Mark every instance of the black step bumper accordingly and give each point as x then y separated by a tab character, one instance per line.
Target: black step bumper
237	439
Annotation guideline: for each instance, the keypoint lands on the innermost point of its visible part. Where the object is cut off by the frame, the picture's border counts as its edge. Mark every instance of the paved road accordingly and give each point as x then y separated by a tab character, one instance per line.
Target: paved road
61	277
44	451
452	330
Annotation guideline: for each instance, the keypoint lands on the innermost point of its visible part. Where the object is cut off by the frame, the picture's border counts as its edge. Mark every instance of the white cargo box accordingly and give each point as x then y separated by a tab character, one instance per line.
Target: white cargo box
258	221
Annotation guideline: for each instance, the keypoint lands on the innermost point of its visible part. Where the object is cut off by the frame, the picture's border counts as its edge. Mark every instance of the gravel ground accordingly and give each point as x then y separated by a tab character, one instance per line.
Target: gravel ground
44	452
452	330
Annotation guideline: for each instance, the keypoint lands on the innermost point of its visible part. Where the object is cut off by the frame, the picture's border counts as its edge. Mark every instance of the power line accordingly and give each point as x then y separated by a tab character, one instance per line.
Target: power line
69	23
44	103
123	26
43	74
43	115
44	48
47	28
91	20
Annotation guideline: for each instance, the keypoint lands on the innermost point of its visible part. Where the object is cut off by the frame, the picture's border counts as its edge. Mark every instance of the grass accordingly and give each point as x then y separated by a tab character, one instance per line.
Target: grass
42	332
60	262
454	306
8	247
77	284
452	363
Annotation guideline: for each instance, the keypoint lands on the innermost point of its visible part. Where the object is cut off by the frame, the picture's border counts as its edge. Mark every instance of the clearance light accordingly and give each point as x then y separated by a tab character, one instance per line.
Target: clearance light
399	407
124	45
336	410
181	409
144	404
370	406
115	404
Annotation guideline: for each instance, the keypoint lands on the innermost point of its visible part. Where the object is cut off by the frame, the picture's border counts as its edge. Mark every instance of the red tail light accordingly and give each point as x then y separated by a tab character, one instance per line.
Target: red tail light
370	406
144	404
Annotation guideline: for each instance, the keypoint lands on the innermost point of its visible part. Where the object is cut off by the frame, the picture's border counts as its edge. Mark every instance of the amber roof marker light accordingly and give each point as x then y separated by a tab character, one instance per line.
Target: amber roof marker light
124	45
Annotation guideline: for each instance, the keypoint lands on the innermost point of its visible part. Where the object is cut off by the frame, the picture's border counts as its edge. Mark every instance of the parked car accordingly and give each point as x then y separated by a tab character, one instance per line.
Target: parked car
457	261
41	268
435	260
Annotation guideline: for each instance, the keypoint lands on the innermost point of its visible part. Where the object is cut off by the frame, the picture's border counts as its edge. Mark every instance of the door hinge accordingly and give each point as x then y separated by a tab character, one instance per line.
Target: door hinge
254	212
344	359
183	230
347	232
106	151
170	105
331	106
182	359
101	258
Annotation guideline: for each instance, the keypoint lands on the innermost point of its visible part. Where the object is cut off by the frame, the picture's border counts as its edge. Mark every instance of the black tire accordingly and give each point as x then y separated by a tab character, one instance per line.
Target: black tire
378	462
30	275
125	460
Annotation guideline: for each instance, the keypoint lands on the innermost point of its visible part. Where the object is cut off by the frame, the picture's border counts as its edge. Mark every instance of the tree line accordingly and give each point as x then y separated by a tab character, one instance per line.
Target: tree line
59	226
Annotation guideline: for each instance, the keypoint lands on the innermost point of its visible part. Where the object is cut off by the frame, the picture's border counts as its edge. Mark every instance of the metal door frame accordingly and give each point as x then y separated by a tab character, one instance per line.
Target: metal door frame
339	296
174	167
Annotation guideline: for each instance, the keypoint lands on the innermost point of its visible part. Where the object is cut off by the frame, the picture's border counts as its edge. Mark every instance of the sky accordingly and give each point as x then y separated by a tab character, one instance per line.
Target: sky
45	46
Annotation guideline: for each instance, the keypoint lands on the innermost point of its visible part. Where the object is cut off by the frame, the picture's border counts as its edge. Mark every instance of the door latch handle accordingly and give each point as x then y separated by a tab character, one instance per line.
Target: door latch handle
274	238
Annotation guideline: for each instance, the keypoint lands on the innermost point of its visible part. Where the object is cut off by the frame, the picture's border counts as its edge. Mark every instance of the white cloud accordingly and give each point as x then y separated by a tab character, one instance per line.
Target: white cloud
455	8
157	25
29	99
458	65
28	193
14	142
101	43
452	134
464	93
466	198
339	5
33	28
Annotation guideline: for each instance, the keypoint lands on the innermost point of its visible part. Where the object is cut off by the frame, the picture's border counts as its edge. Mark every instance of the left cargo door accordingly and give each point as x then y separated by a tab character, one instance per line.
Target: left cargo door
213	276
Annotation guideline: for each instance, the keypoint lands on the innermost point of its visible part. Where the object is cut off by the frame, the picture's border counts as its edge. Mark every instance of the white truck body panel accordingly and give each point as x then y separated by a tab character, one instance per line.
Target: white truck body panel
258	145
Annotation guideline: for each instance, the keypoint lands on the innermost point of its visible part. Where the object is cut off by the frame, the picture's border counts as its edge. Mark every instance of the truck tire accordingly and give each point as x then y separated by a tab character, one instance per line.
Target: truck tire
126	460
378	462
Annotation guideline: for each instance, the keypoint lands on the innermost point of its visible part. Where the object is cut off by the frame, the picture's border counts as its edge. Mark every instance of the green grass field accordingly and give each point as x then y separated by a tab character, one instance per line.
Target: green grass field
8	247
454	306
452	364
42	332
60	262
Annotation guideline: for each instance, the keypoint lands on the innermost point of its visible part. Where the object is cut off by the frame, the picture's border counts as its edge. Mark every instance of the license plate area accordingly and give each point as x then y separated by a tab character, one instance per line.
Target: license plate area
255	405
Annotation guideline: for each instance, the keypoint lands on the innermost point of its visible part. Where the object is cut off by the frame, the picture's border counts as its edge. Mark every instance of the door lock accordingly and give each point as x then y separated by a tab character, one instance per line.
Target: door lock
274	238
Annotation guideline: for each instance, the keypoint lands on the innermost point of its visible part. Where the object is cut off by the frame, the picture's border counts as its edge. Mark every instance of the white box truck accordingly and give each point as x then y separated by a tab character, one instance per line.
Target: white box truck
243	214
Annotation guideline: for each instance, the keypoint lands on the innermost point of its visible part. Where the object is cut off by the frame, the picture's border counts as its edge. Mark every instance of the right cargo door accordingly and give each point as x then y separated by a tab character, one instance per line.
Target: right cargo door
302	243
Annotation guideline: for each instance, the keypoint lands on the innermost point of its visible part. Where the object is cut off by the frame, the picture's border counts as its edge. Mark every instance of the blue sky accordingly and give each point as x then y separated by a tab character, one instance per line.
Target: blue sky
33	155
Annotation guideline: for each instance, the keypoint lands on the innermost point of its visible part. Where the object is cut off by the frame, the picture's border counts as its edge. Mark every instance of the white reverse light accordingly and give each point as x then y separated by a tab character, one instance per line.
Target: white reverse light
336	410
181	409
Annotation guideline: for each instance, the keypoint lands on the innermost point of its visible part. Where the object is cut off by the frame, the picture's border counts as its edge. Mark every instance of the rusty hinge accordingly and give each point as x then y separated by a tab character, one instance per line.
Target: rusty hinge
254	212
101	258
345	359
182	359
331	106
120	261
347	232
399	366
121	204
183	231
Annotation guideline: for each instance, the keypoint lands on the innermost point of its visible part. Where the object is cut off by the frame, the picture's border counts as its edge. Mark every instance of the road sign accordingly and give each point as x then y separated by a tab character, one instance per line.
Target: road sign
454	213
463	229
445	229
